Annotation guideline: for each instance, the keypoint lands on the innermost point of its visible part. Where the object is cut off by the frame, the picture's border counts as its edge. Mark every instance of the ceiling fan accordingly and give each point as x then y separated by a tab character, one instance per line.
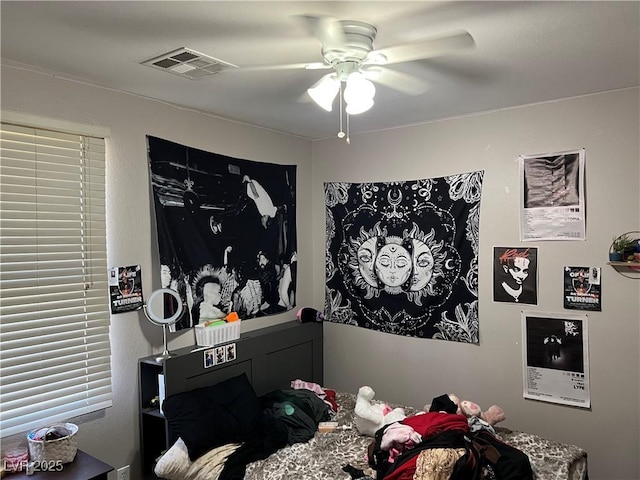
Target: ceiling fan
348	50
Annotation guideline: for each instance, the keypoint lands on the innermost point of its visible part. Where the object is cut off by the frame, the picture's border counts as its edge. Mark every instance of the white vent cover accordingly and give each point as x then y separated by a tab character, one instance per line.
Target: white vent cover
188	63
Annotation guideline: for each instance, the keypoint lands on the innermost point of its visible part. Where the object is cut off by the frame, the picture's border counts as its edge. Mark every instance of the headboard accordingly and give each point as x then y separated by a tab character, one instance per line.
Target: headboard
270	357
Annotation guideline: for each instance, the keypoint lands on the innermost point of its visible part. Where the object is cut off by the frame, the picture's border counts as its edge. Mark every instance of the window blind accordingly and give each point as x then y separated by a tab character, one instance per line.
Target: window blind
55	357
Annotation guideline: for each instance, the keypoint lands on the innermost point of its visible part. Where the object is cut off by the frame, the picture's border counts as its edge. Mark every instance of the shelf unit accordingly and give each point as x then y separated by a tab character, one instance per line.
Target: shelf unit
627	269
270	357
633	265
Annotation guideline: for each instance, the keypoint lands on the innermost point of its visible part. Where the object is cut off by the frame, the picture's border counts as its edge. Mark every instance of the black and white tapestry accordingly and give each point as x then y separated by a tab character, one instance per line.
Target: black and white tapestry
226	231
402	257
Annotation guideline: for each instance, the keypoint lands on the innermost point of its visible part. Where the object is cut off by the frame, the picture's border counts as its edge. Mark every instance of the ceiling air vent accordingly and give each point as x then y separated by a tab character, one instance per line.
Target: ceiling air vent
188	63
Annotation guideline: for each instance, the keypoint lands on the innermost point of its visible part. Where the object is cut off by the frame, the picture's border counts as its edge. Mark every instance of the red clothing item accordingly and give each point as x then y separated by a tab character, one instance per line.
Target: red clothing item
427	424
432	423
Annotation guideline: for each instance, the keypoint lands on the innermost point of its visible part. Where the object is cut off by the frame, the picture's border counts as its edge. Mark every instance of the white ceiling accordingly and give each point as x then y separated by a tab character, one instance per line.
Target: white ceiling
525	52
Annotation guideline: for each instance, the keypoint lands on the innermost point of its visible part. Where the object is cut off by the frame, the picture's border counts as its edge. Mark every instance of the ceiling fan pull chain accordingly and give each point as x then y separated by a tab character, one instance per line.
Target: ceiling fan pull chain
341	132
348	138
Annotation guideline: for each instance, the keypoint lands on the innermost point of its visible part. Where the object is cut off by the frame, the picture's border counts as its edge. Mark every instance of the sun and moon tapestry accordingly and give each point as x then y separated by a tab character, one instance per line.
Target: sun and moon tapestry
402	257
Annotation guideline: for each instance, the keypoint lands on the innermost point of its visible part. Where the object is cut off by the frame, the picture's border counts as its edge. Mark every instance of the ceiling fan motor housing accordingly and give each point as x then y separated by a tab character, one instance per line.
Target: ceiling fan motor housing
358	43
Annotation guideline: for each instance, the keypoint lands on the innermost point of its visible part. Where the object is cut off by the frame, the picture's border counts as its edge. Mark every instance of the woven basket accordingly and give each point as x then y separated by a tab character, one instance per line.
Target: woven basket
59	450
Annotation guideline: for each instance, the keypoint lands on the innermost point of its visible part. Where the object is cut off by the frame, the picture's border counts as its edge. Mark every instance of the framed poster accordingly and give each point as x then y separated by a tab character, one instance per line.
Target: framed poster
555	354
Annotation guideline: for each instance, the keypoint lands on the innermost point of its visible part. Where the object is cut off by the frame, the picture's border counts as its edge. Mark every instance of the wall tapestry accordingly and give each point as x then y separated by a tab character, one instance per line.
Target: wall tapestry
226	231
402	257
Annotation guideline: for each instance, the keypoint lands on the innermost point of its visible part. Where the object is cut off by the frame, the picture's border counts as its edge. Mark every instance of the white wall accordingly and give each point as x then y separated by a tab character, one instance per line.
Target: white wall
113	435
400	369
413	371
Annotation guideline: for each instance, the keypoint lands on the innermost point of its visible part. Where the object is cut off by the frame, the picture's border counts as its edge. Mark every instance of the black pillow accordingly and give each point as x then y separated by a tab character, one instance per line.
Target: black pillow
208	417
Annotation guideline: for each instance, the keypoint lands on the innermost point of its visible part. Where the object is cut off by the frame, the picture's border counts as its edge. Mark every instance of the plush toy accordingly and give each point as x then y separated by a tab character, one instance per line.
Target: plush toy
492	416
370	416
308	314
449	403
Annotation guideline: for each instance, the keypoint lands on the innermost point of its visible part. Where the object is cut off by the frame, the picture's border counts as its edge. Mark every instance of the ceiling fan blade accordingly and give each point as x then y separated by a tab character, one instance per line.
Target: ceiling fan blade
433	47
290	66
399	81
327	29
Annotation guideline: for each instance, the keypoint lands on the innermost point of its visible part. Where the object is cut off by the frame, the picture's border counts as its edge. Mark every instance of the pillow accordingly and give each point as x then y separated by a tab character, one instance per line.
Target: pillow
176	465
208	417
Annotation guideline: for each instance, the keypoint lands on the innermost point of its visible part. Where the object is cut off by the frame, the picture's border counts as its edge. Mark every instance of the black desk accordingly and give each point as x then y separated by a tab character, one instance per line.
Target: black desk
83	467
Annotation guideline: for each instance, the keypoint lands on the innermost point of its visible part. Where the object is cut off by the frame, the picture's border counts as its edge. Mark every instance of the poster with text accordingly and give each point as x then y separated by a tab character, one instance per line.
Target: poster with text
125	288
582	288
552	199
556	358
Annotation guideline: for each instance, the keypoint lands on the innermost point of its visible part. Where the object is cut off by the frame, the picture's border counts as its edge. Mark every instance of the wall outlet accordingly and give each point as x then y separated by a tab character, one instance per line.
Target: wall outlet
123	473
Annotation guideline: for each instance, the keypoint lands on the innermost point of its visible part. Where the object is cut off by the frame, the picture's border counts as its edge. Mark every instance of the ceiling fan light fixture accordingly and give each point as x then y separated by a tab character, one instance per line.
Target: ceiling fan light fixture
324	92
355	108
359	93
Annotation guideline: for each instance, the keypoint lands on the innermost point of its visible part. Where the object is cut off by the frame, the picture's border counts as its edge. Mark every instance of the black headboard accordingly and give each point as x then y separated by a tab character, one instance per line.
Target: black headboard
270	357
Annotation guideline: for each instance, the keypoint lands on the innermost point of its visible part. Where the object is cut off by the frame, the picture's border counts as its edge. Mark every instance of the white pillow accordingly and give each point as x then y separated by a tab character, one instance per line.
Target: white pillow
176	465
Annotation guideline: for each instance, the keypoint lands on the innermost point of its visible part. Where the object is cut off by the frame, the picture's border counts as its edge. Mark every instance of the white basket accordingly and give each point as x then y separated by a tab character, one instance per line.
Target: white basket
59	450
217	334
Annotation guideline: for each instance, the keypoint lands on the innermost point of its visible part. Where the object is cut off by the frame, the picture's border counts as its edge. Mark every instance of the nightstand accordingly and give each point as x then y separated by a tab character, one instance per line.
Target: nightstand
83	467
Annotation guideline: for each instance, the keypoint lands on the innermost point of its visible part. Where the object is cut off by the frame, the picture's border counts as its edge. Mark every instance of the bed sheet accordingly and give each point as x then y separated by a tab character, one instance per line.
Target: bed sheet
323	457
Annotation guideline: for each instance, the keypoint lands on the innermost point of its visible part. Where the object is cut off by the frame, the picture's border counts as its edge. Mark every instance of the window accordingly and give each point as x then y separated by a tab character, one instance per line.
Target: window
55	358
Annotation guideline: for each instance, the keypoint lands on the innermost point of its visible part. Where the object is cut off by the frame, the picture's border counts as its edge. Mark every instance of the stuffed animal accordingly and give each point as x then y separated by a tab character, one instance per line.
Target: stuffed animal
449	403
308	314
370	416
492	416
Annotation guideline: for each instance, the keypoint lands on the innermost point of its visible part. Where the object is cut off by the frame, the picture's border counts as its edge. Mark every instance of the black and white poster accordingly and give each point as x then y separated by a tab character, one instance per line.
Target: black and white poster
402	257
515	275
552	196
582	288
556	358
125	288
226	231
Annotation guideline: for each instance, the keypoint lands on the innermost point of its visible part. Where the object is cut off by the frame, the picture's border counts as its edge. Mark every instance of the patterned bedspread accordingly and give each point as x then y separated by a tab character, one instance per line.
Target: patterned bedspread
323	456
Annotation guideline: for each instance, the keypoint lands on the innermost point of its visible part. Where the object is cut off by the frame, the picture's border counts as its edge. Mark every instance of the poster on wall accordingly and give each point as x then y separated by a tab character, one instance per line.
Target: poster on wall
552	198
402	257
515	275
556	358
125	288
582	288
226	232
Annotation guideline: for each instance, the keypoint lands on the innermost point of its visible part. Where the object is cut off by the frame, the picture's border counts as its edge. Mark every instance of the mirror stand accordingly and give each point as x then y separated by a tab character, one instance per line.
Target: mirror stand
165	353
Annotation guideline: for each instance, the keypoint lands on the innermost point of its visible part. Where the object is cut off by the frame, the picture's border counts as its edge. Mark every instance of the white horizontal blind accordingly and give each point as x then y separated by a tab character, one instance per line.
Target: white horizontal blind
55	357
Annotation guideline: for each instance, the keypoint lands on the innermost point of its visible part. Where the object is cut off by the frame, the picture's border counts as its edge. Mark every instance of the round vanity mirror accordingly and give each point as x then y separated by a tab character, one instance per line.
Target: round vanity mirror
164	307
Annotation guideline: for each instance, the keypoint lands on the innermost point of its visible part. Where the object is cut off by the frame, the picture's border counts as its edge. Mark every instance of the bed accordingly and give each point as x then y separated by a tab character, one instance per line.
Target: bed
213	425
